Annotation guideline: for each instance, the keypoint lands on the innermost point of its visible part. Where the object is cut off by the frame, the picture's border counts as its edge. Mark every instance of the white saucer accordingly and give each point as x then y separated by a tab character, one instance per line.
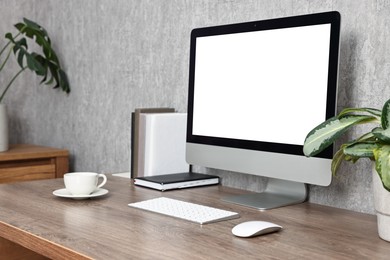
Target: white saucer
63	193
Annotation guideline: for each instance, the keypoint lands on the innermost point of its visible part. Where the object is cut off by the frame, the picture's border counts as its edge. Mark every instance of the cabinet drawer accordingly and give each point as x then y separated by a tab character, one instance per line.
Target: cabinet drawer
36	172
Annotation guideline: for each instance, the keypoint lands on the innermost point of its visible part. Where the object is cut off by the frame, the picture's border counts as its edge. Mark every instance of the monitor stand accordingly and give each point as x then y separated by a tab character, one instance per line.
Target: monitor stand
278	193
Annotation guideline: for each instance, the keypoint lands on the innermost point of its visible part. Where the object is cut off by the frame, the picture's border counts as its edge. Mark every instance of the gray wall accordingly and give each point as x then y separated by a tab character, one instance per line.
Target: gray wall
121	55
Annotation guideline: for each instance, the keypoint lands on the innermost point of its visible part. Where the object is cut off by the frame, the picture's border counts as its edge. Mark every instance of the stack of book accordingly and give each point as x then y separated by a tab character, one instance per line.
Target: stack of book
158	142
158	151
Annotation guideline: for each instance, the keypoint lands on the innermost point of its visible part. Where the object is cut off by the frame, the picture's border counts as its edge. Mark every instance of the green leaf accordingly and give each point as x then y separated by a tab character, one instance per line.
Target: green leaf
367	137
22	43
385	117
382	165
64	83
45	64
54	74
34	64
20	58
32	24
327	132
361	149
351	158
371	111
382	134
337	160
9	37
20	52
20	27
42	41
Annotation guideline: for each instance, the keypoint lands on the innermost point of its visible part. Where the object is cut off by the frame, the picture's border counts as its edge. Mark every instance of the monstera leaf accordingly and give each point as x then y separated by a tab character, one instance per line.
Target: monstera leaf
45	65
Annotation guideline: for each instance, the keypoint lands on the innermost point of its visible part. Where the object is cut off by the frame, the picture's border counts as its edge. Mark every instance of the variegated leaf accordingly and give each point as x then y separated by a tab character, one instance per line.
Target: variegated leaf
381	134
338	158
348	111
382	165
385	118
326	133
361	149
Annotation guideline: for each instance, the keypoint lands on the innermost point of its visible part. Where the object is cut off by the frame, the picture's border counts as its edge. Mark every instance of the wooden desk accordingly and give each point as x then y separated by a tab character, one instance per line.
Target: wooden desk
106	228
23	162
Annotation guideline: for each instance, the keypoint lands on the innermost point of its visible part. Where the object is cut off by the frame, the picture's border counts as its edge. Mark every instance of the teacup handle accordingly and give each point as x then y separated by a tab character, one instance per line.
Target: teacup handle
103	182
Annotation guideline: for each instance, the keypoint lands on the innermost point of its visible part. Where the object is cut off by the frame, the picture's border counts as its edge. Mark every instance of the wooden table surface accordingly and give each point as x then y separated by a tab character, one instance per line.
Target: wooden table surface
106	228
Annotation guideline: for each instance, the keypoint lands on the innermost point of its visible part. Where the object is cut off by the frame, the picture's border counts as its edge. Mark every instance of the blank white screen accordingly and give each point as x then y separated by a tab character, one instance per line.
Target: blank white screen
265	86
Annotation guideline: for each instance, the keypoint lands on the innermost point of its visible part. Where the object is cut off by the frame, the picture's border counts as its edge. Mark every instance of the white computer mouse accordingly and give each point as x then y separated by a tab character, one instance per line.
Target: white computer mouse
254	228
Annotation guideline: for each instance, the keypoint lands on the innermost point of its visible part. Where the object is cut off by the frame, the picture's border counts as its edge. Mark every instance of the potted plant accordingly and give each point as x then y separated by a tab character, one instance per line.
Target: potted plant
45	64
374	145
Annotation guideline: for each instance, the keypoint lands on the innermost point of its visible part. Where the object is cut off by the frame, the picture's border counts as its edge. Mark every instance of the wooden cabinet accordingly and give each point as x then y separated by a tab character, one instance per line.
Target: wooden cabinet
23	162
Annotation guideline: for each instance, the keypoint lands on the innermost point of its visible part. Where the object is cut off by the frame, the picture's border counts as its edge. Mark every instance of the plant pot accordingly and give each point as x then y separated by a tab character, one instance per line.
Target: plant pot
382	206
3	128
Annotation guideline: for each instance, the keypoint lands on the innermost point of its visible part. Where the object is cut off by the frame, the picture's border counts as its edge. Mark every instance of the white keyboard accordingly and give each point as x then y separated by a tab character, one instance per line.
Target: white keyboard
185	210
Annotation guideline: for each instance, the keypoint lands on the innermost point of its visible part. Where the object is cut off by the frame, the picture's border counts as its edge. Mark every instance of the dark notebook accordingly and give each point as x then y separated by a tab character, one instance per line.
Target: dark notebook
176	181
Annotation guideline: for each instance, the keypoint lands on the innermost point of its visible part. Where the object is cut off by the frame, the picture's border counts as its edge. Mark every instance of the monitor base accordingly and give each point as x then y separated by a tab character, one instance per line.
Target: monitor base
278	193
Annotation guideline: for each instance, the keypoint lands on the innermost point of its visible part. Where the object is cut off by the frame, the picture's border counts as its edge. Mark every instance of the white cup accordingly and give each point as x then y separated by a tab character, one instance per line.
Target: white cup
83	183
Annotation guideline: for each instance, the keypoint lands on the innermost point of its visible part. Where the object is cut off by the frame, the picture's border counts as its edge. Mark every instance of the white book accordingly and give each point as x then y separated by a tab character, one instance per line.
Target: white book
162	140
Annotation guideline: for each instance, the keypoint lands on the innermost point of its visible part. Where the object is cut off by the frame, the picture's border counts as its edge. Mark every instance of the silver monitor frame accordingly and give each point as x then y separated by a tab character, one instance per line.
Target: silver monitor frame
272	160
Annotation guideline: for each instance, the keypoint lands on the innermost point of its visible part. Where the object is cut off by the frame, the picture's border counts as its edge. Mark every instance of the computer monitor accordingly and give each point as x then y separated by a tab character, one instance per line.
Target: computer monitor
255	90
